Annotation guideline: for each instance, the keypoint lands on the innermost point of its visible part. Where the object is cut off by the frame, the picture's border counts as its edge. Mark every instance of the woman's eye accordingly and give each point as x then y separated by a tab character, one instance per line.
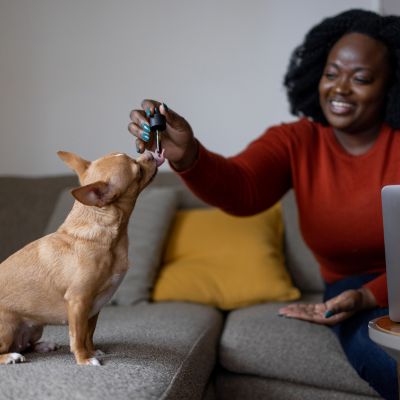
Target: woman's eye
363	81
329	75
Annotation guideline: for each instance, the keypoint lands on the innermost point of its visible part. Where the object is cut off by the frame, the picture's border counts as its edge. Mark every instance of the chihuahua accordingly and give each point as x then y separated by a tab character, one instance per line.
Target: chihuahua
67	277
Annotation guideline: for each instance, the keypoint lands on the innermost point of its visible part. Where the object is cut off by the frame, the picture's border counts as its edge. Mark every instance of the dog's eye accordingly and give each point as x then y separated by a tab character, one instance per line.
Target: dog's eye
140	170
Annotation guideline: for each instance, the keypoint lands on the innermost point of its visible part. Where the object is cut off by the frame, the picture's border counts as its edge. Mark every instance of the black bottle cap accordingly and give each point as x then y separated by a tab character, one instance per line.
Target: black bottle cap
157	121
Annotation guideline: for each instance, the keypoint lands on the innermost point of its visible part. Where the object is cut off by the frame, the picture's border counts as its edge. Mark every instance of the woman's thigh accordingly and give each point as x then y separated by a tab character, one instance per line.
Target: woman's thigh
367	358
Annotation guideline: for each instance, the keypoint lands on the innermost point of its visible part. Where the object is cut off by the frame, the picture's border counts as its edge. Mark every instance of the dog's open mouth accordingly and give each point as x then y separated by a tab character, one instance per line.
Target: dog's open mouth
160	159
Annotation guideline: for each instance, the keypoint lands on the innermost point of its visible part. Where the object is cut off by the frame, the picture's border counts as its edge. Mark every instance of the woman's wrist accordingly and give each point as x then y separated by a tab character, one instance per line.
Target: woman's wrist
189	158
368	299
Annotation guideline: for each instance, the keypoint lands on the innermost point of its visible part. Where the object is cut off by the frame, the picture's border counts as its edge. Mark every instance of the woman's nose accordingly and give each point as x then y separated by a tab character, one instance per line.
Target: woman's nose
342	86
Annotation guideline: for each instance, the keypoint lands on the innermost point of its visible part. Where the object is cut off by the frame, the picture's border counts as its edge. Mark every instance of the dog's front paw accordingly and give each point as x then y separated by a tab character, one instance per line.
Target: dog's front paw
44	347
15	358
98	353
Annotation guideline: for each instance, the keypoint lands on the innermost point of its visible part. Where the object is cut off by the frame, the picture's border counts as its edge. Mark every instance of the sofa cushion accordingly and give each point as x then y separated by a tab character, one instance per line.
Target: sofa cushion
225	261
26	209
256	341
187	199
300	262
153	351
147	229
231	386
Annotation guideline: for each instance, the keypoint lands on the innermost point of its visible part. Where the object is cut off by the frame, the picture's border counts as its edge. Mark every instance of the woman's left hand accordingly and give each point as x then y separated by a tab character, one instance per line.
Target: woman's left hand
335	310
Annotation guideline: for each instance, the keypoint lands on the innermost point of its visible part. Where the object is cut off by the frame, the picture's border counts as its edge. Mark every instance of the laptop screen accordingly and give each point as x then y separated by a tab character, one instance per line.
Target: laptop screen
391	229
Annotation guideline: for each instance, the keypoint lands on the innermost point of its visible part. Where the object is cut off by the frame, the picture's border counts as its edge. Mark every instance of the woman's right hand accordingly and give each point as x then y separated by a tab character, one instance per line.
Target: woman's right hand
181	148
335	310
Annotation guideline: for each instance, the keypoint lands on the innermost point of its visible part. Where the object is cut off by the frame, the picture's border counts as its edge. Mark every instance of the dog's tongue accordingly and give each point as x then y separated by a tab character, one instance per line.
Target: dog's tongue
160	158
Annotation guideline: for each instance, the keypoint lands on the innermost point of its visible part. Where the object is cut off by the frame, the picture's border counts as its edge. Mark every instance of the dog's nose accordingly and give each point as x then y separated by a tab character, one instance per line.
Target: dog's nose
146	157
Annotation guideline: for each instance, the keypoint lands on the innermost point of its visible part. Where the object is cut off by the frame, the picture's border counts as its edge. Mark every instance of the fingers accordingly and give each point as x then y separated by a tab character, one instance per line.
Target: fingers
348	301
303	315
334	319
139	117
140	125
304	308
331	313
306	312
143	134
170	115
140	146
141	129
149	105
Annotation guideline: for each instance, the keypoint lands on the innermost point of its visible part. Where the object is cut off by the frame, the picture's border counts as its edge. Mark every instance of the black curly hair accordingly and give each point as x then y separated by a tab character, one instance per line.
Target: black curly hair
308	61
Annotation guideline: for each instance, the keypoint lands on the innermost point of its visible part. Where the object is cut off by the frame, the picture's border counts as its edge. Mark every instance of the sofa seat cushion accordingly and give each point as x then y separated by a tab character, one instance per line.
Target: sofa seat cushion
231	386
256	341
152	351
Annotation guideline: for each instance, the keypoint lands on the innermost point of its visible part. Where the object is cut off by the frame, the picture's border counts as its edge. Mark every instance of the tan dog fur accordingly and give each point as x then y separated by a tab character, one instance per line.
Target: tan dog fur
67	277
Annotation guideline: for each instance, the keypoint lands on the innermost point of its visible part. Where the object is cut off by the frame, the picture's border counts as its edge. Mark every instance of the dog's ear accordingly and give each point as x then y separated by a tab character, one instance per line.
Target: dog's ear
97	194
76	163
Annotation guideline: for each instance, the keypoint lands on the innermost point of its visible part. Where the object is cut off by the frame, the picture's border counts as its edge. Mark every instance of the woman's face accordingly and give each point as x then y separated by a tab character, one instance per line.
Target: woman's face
353	87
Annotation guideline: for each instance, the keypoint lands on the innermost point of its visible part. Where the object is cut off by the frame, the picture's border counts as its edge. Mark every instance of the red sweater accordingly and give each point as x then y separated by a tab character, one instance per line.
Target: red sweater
338	195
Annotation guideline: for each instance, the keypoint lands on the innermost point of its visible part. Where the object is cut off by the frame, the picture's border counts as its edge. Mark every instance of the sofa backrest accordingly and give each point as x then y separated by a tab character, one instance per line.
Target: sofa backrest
27	204
25	209
300	262
187	199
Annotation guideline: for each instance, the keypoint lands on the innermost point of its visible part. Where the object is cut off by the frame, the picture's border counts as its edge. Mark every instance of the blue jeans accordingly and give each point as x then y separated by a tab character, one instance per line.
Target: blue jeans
367	358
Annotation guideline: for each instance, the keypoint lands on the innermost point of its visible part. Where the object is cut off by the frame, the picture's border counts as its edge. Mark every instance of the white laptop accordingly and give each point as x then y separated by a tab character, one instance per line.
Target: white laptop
391	229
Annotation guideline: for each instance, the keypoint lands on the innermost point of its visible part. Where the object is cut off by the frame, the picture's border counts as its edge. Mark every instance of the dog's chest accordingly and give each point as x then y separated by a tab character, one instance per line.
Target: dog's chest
101	300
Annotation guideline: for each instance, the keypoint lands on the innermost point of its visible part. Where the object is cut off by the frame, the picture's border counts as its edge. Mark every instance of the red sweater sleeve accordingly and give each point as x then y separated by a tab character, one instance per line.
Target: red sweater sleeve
346	241
378	287
246	184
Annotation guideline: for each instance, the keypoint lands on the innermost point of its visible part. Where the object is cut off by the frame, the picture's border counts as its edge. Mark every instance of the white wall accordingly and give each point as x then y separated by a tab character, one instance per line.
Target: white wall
390	7
71	71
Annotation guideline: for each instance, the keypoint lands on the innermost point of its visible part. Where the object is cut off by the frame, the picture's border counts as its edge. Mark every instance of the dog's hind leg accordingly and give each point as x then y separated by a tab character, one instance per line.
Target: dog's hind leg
41	347
44	347
8	326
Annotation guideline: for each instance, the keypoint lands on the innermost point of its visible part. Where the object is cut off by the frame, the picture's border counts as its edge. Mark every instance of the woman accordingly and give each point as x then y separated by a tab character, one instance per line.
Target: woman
345	79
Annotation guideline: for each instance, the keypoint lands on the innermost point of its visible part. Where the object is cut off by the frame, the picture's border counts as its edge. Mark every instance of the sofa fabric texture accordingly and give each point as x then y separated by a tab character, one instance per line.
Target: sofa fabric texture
26	209
152	351
257	342
231	386
177	350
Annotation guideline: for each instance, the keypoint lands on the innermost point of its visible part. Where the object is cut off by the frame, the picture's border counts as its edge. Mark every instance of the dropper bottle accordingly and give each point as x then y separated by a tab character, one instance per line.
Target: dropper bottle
158	124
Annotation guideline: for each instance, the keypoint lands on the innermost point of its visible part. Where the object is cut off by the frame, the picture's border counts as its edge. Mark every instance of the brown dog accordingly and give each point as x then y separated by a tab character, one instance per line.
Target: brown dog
67	277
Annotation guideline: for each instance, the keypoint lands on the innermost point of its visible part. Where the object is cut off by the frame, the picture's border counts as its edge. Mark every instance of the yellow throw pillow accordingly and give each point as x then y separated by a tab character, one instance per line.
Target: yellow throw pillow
224	261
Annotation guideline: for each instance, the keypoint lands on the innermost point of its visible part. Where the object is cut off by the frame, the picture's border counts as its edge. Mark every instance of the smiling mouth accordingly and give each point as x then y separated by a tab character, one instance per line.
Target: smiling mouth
341	107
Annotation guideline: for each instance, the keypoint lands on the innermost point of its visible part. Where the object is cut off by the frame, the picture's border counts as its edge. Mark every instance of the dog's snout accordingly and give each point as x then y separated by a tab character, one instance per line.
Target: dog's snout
146	157
150	156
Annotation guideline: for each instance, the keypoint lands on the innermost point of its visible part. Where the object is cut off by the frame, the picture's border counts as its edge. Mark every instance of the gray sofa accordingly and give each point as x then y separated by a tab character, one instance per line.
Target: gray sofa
177	350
